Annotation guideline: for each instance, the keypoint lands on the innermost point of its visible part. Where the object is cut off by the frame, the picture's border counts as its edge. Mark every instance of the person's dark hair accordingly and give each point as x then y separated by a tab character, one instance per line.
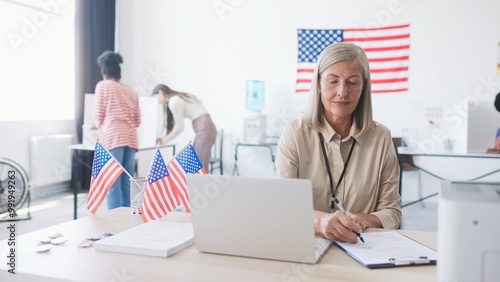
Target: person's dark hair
168	92
497	102
109	62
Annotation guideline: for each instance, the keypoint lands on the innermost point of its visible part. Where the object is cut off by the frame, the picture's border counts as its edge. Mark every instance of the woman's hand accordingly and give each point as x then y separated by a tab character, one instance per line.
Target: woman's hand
340	226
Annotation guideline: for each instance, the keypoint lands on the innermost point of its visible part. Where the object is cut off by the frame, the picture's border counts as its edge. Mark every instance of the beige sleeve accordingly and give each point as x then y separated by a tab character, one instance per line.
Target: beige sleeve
389	200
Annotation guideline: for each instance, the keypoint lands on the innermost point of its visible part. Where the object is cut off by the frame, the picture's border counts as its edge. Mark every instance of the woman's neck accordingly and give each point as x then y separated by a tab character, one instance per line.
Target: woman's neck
105	77
341	125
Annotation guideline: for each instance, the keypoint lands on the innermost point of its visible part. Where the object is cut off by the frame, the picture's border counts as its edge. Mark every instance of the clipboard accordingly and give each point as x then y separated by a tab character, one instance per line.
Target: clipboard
387	249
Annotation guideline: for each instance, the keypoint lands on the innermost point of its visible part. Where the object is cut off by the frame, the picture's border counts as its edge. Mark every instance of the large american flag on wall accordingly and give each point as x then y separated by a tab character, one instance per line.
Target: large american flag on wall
387	49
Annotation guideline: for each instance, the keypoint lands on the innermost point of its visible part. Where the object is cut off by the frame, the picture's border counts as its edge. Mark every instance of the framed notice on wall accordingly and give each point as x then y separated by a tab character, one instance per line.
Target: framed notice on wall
441	127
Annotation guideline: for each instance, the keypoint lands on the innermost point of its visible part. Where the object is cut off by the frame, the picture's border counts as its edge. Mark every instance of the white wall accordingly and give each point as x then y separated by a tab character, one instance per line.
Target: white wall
35	46
210	48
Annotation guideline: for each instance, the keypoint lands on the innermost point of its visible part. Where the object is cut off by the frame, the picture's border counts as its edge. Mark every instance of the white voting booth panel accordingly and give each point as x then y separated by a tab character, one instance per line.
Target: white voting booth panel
438	127
467	126
148	130
482	126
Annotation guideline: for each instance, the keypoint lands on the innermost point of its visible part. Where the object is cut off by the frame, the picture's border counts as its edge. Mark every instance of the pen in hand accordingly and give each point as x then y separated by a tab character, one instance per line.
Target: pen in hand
343	210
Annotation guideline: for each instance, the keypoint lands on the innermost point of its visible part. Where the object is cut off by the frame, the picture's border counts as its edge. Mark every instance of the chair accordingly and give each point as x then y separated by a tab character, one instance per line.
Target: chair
216	155
406	164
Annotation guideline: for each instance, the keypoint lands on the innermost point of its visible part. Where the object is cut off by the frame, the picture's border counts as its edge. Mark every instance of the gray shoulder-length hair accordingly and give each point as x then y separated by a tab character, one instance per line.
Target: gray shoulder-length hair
332	54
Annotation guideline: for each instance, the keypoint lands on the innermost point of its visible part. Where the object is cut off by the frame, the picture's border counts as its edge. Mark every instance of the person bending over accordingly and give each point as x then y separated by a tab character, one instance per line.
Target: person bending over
180	105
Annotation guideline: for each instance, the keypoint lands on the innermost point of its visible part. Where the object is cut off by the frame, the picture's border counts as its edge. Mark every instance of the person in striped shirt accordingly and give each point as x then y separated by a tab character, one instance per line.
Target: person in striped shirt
117	114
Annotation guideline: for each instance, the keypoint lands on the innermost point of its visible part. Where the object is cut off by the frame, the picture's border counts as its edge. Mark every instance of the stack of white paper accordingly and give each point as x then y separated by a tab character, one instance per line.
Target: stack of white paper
154	238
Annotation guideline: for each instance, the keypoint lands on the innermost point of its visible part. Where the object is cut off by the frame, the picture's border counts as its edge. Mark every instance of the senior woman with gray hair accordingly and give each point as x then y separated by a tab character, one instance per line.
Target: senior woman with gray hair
349	157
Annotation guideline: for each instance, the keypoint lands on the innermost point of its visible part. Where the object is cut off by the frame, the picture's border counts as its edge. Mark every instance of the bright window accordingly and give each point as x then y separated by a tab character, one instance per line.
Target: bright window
37	66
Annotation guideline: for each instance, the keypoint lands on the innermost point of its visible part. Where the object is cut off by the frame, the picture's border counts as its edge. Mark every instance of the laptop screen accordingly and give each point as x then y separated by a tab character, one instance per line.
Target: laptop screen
254	217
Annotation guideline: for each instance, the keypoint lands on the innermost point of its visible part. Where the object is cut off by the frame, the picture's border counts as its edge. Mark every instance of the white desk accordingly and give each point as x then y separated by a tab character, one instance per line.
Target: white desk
70	263
471	166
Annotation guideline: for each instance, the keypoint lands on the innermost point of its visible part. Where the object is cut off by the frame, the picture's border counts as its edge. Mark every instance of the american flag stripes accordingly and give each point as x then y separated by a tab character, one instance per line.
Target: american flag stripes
185	162
387	49
167	186
160	196
105	171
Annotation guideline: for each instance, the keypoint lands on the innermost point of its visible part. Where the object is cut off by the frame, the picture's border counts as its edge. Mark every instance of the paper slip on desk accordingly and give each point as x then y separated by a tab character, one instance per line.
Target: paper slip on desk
154	238
389	249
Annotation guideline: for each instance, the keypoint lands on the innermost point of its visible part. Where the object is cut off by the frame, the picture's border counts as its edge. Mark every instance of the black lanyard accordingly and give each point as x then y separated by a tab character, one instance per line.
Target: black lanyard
327	163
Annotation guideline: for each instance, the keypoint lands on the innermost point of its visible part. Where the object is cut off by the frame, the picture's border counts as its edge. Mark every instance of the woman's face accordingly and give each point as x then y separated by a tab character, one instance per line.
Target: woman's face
340	87
161	98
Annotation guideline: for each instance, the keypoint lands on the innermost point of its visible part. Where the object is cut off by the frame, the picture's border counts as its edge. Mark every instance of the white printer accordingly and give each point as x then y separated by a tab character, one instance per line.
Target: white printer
468	232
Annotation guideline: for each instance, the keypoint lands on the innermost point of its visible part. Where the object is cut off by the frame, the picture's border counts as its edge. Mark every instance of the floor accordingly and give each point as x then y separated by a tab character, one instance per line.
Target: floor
57	208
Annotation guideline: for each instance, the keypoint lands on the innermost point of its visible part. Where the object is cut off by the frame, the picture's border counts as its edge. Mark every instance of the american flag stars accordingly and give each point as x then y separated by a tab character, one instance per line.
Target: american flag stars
158	169
101	157
313	41
189	161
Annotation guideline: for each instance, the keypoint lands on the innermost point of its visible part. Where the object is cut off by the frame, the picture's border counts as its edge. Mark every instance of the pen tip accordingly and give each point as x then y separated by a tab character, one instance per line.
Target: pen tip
362	240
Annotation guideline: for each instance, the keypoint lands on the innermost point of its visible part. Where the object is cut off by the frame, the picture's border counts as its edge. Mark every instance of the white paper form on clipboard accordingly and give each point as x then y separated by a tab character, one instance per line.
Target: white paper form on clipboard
389	249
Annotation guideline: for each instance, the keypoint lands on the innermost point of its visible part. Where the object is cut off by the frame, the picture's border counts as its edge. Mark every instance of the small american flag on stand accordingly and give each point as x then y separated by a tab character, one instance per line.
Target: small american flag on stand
105	171
184	163
387	49
160	196
167	186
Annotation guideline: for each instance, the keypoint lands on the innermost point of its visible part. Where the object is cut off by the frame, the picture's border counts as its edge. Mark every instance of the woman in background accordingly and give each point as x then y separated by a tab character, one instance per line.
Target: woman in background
179	105
116	112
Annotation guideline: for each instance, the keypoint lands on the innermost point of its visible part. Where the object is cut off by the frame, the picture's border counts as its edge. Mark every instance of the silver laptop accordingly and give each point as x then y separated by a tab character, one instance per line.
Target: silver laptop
255	217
